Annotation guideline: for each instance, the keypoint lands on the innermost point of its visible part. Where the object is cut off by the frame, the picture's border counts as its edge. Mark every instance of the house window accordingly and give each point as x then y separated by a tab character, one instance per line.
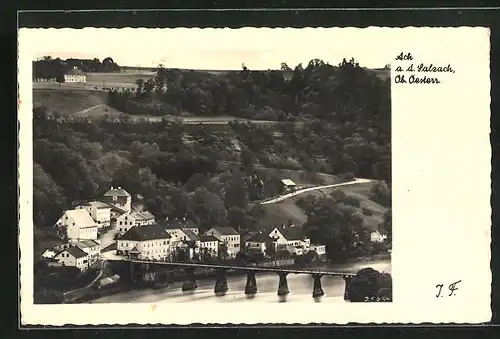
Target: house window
120	222
114	198
126	217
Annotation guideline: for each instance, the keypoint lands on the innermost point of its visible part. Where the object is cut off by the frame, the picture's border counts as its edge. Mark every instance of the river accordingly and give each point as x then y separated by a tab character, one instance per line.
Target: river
300	286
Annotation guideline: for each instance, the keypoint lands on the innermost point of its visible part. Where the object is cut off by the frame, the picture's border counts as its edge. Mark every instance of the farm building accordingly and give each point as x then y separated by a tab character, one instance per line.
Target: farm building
288	185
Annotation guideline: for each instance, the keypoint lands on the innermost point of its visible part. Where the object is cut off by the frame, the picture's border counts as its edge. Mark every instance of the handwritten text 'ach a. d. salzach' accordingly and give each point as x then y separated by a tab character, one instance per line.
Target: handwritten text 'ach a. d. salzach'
409	72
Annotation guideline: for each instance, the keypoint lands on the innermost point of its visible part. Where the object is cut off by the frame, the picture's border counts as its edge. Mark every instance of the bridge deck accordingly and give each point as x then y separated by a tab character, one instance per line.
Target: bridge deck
246	268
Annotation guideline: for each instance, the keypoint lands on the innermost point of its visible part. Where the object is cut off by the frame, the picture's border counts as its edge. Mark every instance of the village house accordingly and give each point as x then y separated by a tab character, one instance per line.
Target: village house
119	198
77	224
209	246
291	239
257	243
91	247
99	211
75	75
73	257
126	221
227	236
176	227
377	236
115	213
190	242
146	242
319	249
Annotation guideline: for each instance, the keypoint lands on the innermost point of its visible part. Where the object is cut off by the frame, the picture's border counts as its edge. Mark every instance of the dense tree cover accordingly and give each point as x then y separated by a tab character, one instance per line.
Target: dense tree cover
338	222
48	68
370	285
345	110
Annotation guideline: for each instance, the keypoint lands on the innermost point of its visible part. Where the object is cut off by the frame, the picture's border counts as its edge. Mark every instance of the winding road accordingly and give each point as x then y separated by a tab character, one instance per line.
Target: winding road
304	190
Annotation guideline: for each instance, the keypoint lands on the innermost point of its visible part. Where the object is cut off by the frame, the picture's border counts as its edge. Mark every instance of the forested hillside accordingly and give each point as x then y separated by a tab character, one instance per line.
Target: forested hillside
215	174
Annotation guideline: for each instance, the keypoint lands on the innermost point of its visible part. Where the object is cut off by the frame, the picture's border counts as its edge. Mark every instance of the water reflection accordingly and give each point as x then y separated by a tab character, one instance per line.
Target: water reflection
300	289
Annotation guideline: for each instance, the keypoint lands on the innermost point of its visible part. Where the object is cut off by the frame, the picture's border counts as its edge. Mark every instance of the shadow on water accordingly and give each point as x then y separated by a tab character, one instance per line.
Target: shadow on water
282	298
250	296
318	299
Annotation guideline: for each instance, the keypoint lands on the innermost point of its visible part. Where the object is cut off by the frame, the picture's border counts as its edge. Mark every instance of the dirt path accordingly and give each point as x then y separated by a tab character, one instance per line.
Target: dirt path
294	194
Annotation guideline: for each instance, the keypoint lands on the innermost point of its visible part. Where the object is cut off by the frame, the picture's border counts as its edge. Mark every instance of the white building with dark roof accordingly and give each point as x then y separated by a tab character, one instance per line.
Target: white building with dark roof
99	211
73	257
257	243
150	242
128	220
176	227
118	197
227	236
75	75
78	223
209	245
290	238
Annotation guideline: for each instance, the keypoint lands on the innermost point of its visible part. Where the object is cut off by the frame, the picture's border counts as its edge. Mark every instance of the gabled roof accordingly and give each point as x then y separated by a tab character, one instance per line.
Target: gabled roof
74	71
288	182
75	251
179	224
117	192
134	250
208	238
291	232
191	235
259	238
116	209
82	218
226	230
144	233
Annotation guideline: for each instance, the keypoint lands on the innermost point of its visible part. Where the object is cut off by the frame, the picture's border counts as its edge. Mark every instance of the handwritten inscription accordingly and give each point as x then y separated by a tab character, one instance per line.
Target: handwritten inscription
451	287
418	73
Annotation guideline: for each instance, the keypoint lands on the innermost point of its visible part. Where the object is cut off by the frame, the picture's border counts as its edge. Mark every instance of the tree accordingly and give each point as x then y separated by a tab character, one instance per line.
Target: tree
370	285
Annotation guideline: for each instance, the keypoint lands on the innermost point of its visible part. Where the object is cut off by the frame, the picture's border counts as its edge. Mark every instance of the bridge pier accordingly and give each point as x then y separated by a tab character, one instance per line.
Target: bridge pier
283	284
347	280
251	286
221	282
317	289
190	283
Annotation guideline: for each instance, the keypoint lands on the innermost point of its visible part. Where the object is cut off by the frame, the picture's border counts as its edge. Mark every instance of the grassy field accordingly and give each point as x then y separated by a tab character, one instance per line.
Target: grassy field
279	213
124	79
67	101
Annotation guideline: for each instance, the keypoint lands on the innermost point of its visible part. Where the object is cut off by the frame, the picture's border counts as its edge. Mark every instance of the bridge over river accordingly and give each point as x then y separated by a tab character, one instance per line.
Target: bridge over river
138	266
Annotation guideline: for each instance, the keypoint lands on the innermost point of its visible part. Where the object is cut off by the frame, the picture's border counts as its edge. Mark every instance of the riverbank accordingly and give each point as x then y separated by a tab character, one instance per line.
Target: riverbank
209	274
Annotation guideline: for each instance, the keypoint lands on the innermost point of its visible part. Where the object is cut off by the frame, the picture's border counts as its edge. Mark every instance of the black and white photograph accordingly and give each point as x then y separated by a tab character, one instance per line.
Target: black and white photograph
224	170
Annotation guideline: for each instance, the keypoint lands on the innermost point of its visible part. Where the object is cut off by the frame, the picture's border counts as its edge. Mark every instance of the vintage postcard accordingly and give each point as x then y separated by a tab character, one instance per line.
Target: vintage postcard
254	175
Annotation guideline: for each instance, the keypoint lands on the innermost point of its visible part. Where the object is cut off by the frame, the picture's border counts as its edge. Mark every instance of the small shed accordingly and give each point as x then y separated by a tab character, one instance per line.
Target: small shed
288	185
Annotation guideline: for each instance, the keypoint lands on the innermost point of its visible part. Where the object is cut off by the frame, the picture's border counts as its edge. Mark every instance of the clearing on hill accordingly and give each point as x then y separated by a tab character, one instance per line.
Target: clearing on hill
74	103
287	210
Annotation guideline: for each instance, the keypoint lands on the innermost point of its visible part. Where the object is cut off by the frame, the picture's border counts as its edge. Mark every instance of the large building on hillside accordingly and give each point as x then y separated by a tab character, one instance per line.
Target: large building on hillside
78	224
118	197
227	236
75	75
150	242
128	220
